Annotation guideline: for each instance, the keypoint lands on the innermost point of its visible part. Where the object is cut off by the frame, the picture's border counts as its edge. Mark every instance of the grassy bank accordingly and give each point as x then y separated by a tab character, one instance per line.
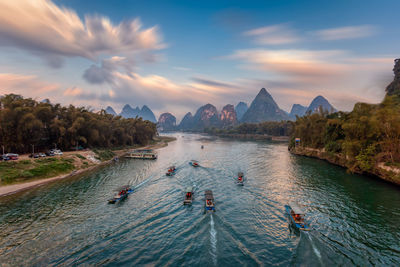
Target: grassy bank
27	170
24	170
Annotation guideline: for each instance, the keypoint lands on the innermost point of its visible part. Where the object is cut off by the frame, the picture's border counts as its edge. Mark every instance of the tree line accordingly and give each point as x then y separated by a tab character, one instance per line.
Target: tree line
25	122
365	136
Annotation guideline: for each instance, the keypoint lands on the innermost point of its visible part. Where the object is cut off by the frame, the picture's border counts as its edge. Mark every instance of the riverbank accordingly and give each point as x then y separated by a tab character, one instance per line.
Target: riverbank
71	164
380	170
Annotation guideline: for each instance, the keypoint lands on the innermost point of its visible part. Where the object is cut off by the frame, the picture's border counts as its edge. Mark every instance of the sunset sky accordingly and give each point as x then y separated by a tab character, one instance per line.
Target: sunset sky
178	55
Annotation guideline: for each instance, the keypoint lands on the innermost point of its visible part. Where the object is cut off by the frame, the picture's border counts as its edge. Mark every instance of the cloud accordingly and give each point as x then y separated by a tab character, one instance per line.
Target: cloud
54	33
341	76
214	83
104	73
292	62
349	32
182	68
273	35
26	85
73	91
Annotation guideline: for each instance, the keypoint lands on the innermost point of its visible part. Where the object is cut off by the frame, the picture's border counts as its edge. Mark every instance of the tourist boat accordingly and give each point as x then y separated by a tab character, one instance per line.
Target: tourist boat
122	194
194	163
142	154
240	179
188	196
296	217
171	171
209	201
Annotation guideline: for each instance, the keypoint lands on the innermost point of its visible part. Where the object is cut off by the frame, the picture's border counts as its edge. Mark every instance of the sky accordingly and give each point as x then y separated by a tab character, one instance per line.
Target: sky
175	56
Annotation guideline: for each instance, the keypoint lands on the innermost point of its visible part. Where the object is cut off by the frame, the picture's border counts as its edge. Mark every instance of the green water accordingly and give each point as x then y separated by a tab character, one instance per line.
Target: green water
355	219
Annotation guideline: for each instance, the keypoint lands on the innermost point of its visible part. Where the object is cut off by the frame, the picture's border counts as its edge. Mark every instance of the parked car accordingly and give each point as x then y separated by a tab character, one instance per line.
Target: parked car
12	156
49	153
4	157
57	152
42	154
36	155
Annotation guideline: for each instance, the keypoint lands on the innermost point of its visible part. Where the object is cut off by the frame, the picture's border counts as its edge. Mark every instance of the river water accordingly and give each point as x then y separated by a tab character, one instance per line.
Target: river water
355	219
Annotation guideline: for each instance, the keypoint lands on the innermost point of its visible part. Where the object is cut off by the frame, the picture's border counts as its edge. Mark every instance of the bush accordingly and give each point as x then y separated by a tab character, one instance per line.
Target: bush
332	146
80	156
104	155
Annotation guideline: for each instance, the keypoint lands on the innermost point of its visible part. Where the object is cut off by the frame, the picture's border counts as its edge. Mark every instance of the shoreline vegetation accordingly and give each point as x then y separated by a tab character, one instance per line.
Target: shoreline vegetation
381	170
28	173
365	140
30	126
263	131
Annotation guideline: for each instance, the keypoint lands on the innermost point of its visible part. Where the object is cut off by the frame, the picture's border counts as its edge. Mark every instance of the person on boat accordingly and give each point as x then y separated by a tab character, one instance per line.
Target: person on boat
297	217
240	178
188	194
209	202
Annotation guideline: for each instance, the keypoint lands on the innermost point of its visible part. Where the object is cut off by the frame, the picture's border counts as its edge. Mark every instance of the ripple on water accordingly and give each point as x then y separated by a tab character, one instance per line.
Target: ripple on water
355	219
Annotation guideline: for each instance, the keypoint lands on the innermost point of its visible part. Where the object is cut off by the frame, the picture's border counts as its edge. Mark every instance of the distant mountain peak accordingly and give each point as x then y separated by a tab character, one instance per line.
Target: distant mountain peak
186	122
297	110
264	108
320	101
241	109
166	122
263	91
147	114
110	110
228	115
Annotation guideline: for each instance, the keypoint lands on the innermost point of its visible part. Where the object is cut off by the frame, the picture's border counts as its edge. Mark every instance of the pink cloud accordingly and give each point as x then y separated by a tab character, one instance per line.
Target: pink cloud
273	35
53	32
348	32
26	85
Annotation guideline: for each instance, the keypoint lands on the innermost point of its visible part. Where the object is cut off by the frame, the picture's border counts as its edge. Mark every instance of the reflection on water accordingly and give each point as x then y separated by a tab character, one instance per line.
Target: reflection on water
355	219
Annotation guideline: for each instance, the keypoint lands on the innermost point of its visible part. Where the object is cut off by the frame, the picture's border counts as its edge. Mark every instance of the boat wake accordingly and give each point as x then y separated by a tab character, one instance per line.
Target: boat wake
315	249
311	250
213	240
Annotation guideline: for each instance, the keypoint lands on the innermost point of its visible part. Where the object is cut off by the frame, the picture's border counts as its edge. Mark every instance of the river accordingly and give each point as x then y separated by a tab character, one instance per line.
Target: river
355	219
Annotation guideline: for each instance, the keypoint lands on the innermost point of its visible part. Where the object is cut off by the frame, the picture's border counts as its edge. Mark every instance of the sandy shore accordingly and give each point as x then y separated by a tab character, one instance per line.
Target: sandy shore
14	188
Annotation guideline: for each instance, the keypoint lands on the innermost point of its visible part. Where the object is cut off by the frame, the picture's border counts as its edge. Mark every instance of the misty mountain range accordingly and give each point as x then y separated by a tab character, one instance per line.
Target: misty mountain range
128	112
262	108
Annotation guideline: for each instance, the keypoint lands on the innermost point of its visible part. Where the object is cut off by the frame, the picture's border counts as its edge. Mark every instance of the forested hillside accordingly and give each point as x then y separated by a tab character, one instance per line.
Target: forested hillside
25	122
366	139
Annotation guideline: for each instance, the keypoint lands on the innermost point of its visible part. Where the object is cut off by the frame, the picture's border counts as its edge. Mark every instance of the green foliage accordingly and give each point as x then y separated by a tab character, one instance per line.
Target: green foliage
26	122
366	159
365	136
104	155
80	156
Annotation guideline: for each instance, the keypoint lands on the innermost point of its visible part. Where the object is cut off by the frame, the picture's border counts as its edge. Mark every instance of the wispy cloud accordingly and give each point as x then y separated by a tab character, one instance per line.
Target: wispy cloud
182	68
27	85
273	35
73	91
340	75
53	32
291	62
349	32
